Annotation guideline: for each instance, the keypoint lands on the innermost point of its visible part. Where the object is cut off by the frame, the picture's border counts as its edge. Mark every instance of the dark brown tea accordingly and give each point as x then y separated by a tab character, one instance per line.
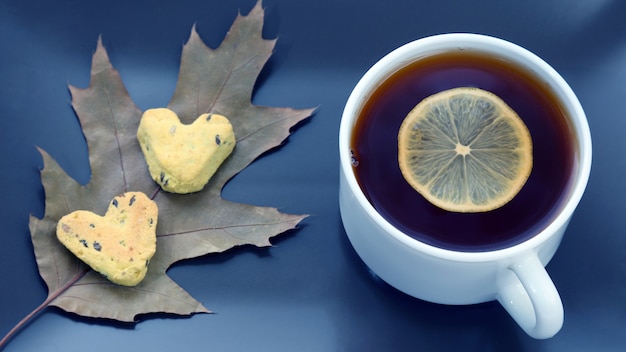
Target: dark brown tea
375	149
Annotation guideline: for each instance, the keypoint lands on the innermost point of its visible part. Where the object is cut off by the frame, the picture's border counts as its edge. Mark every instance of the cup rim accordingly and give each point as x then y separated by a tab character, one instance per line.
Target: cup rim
427	46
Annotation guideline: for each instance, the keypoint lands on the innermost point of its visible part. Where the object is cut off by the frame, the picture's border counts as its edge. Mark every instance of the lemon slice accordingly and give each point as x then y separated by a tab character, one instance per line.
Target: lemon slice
465	150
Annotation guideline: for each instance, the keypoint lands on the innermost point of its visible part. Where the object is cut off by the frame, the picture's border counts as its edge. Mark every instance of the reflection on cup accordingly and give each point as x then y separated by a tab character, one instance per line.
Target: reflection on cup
464	258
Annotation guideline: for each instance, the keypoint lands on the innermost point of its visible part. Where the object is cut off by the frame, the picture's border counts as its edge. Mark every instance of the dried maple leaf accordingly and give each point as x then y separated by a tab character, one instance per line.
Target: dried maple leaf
189	226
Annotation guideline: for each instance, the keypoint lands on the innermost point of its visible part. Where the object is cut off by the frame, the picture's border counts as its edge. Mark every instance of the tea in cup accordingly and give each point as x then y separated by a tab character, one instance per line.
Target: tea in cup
455	257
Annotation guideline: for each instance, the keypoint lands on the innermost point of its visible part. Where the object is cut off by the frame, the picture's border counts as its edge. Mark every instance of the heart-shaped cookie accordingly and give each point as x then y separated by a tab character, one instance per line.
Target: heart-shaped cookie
182	158
118	245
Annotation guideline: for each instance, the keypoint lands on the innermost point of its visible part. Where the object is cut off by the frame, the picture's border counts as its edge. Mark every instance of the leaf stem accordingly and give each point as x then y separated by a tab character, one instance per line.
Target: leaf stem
154	194
41	307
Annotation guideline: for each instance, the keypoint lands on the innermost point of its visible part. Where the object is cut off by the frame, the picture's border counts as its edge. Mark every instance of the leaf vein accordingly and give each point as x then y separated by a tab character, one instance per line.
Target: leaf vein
262	128
135	288
223	228
220	89
117	138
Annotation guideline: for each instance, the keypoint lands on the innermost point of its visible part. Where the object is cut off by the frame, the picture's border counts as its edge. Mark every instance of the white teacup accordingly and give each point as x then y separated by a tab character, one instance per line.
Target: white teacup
515	275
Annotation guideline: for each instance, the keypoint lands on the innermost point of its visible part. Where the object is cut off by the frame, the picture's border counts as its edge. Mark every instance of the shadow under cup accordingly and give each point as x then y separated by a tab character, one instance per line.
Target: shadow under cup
374	150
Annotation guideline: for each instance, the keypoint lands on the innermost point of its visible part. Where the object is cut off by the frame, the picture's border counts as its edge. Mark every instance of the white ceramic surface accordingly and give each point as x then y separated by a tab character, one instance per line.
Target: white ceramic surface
515	276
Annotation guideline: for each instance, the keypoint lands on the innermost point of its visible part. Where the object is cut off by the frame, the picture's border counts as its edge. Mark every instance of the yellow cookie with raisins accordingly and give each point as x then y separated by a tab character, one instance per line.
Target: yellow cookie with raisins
182	158
118	245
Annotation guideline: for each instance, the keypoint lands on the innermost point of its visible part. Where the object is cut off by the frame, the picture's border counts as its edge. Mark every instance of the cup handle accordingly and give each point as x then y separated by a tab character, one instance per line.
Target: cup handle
529	295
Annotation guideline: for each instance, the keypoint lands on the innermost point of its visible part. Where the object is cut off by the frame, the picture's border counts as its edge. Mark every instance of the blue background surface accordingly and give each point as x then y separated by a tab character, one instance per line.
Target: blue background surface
310	292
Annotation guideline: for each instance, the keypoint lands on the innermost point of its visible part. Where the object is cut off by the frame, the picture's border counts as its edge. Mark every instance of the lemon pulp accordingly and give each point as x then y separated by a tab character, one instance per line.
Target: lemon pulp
465	150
